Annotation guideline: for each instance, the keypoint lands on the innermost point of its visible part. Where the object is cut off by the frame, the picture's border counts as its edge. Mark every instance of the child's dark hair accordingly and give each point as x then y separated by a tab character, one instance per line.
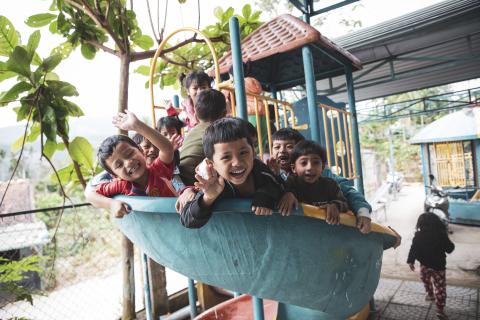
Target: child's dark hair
210	105
306	147
171	122
199	77
430	222
138	138
225	130
108	146
252	131
287	134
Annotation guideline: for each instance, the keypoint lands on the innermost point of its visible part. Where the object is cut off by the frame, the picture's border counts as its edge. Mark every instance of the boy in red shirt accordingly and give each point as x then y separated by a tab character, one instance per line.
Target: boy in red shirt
122	158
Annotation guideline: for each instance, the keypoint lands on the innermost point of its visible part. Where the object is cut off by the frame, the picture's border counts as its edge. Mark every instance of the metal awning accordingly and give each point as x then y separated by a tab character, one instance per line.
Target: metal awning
433	46
458	126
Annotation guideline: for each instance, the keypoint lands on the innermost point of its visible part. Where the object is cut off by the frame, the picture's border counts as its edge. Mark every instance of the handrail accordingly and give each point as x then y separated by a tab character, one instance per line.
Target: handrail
159	51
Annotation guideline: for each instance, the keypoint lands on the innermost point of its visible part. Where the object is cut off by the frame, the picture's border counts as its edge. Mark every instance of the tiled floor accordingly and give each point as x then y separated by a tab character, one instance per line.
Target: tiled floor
405	300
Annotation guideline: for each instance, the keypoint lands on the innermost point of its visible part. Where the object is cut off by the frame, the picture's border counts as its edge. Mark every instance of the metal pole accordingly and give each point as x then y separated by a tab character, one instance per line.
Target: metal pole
192	298
257	308
392	163
146	288
176	101
311	93
238	81
356	138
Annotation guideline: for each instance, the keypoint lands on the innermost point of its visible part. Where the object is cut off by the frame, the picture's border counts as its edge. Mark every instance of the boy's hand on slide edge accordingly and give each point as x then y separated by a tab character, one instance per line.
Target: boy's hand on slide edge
119	208
333	214
261	211
287	203
186	196
364	224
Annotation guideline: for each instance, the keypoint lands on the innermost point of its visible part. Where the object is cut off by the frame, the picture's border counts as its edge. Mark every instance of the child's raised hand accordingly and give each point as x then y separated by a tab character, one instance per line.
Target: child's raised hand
287	203
125	121
261	211
176	140
274	165
364	224
333	214
211	185
186	196
119	208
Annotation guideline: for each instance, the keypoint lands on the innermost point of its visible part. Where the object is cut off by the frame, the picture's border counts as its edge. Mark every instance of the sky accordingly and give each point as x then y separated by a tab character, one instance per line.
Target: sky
97	80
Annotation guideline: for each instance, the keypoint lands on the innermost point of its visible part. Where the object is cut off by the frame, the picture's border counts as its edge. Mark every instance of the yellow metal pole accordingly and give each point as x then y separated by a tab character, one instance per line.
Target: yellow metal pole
347	144
342	141
232	103
334	140
159	51
327	138
277	120
269	128
285	118
353	158
259	129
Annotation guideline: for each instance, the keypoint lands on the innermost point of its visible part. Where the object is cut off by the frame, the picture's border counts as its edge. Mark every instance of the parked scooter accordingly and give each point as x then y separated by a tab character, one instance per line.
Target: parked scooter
395	182
436	201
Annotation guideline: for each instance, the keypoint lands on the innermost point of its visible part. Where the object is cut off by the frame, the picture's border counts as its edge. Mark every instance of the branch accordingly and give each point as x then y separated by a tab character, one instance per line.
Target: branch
103	47
135	56
85	8
151	21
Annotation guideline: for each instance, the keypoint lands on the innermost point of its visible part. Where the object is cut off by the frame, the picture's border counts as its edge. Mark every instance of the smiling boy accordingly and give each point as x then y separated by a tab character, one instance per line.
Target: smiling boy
232	172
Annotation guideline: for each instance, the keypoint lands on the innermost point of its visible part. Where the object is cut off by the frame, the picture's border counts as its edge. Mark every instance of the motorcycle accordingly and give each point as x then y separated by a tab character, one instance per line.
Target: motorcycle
436	201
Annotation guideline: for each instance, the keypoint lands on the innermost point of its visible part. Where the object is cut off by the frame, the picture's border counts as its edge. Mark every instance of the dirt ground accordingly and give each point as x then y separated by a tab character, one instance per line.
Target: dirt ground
402	214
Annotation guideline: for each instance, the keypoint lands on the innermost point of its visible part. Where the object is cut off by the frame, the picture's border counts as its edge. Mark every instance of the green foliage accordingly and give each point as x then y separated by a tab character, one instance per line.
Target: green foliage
40	20
12	271
9	38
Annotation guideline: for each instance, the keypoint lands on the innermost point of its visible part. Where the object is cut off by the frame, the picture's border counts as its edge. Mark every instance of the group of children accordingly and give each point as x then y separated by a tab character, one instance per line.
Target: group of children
216	160
158	162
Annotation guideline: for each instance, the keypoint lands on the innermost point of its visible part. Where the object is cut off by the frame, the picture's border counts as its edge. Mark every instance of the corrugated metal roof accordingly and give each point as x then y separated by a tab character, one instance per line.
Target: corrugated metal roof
433	46
458	126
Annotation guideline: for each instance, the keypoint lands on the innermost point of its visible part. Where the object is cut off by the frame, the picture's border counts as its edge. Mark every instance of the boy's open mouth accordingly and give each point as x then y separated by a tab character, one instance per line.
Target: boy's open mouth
284	158
237	173
133	169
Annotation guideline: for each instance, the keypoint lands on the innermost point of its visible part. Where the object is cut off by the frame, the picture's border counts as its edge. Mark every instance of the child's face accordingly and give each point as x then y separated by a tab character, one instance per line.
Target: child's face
127	162
150	152
282	151
195	89
308	167
169	133
233	160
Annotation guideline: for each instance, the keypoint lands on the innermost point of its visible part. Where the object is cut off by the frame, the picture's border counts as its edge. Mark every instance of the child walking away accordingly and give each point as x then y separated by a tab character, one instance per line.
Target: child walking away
307	185
195	82
122	158
231	172
429	246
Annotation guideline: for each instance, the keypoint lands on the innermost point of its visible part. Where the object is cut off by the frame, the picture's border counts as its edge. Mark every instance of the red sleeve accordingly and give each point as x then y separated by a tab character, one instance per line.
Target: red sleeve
110	189
162	169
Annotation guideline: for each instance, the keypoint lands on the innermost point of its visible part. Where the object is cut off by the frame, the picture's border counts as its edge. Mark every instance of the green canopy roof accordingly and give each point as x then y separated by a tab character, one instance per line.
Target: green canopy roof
457	126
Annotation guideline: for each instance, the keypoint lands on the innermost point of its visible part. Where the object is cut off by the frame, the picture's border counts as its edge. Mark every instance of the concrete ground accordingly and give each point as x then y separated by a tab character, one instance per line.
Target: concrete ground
402	214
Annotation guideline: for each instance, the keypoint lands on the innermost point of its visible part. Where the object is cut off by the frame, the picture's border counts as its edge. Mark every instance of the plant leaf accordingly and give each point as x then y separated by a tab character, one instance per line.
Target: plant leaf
9	38
64	49
19	62
88	51
73	109
40	20
82	152
4	73
33	42
246	11
144	42
49	148
14	92
143	70
62	88
218	13
50	63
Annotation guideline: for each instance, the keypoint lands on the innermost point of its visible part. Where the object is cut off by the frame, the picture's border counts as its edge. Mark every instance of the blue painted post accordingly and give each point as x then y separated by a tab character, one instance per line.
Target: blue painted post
176	101
425	159
356	138
257	308
311	93
240	96
146	288
192	298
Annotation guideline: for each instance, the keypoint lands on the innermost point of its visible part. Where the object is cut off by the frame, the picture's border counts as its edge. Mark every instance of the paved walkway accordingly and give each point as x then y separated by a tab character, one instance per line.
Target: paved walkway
400	294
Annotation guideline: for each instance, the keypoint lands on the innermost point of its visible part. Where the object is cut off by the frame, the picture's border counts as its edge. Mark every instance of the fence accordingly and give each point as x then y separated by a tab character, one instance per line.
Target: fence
78	274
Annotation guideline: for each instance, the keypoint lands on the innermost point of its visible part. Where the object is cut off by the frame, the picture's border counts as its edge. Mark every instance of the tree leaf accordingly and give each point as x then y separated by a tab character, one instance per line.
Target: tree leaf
218	13
73	109
40	20
53	27
14	92
246	11
19	62
22	112
88	51
34	132
255	16
4	73
143	70
36	59
64	49
66	174
50	63
62	88
33	42
82	152
49	122
49	148
9	38
144	42
17	145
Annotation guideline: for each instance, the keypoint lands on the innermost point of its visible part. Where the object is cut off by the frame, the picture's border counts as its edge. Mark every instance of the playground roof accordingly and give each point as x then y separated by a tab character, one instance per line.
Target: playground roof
275	50
457	126
436	45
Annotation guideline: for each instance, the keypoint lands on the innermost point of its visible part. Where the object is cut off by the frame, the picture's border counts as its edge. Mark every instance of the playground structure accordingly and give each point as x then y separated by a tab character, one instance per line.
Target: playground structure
333	127
450	149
